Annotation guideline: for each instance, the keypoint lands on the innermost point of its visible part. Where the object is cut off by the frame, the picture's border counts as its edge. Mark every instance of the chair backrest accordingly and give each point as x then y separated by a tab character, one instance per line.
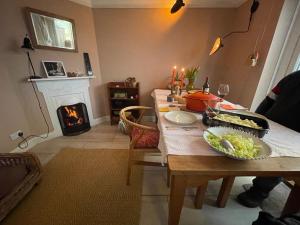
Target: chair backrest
136	123
130	125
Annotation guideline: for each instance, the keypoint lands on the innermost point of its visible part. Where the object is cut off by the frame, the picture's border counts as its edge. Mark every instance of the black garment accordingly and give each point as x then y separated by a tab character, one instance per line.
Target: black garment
285	108
263	185
260	190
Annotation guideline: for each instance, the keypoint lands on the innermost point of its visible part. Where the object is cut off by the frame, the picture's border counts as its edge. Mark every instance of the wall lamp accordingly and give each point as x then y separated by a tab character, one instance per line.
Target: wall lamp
178	4
27	45
218	44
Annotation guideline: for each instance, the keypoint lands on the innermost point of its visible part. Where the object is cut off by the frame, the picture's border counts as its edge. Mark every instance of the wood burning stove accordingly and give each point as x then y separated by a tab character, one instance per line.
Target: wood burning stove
73	119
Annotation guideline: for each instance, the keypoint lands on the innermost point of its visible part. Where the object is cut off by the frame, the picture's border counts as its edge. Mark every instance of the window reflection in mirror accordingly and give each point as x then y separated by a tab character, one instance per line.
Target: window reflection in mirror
52	32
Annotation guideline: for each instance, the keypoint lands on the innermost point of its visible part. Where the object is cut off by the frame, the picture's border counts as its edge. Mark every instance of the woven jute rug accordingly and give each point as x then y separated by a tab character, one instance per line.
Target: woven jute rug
83	187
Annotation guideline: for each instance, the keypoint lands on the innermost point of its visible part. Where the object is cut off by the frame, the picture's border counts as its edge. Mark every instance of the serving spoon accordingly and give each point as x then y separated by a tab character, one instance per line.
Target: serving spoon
211	109
225	143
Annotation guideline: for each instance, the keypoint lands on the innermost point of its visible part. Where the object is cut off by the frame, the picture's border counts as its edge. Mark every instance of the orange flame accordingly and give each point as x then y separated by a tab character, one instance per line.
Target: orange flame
72	113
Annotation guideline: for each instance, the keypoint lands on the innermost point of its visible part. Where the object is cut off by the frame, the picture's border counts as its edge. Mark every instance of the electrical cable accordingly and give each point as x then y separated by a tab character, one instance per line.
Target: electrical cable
253	9
26	139
31	64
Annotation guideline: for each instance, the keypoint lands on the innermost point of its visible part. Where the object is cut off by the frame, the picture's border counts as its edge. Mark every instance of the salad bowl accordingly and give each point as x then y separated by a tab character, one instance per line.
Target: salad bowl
264	150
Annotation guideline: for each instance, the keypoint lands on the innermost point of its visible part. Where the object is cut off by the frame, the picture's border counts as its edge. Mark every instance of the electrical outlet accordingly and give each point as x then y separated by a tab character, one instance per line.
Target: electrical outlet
15	135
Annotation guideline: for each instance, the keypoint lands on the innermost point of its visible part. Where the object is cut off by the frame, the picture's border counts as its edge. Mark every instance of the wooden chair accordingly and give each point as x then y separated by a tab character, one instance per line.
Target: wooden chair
143	138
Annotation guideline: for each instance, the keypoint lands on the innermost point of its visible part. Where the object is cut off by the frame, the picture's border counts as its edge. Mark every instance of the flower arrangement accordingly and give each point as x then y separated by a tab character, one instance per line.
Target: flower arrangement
191	74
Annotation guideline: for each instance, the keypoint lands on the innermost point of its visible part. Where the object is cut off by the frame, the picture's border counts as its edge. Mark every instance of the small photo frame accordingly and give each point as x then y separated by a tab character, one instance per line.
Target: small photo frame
54	68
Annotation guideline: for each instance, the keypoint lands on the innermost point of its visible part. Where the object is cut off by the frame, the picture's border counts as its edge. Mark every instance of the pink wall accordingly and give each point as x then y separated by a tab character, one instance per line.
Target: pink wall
234	67
147	43
19	109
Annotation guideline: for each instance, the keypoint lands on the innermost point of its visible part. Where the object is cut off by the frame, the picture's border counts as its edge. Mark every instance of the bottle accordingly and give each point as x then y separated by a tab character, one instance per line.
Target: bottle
205	88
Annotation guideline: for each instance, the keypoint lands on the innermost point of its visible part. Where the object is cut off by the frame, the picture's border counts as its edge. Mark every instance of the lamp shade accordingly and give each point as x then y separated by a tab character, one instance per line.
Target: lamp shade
27	43
217	45
178	4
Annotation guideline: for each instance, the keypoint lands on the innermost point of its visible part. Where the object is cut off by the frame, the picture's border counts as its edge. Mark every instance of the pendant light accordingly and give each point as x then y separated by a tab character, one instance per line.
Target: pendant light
219	40
178	4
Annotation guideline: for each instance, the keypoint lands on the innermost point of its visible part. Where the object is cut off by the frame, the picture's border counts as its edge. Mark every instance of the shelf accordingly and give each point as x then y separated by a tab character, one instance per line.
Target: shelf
125	99
119	109
119	102
121	85
60	78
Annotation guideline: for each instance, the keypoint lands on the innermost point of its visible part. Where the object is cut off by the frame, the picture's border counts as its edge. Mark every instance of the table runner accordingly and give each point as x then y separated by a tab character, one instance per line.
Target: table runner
282	140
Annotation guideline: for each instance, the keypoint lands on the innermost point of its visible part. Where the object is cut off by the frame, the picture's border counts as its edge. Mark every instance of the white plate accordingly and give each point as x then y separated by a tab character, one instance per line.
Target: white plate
180	117
219	131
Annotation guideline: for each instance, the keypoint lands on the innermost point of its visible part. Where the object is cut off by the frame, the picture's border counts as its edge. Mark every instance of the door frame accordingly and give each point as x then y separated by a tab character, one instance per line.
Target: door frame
280	56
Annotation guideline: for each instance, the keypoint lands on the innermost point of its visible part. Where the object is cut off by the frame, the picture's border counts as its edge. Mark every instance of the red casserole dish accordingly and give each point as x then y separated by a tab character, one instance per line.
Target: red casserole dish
198	101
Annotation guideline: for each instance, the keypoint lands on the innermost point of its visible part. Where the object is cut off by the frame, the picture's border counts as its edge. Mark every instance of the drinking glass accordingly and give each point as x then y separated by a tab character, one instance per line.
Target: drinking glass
223	90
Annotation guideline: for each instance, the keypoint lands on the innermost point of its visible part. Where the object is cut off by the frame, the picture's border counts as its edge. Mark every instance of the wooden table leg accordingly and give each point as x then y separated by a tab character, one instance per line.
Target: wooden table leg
292	204
168	176
177	192
225	191
199	199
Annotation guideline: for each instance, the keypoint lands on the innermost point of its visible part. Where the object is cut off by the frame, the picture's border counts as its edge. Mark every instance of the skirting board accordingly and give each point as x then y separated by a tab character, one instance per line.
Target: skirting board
36	140
100	120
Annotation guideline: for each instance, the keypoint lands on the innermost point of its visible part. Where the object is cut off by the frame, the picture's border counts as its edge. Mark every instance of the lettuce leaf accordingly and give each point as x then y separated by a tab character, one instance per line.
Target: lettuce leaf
244	146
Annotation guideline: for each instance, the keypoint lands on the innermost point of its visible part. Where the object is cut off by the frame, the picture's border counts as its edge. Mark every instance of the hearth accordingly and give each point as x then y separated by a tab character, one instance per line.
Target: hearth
73	119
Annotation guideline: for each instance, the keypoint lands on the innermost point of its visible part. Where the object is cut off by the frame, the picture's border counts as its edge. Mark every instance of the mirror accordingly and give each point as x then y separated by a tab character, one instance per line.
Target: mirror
50	31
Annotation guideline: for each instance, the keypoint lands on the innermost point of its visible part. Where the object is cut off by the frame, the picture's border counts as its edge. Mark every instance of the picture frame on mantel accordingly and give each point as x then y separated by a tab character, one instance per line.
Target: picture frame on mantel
54	69
51	31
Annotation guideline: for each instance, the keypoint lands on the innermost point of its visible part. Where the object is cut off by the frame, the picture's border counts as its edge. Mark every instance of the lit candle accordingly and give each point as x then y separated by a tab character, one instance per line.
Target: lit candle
174	68
174	73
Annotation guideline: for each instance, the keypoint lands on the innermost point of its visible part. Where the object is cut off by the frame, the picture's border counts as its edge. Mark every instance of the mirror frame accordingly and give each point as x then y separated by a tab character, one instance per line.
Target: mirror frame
28	12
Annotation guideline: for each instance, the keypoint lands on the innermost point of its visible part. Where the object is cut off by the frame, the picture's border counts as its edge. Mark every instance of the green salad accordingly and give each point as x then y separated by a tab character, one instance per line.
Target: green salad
244	146
237	120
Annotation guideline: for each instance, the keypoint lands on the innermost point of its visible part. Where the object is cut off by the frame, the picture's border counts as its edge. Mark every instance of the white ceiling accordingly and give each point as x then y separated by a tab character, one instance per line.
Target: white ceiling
159	3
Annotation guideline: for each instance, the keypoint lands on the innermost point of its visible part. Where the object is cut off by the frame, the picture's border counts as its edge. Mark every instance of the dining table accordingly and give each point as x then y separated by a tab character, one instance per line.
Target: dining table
193	163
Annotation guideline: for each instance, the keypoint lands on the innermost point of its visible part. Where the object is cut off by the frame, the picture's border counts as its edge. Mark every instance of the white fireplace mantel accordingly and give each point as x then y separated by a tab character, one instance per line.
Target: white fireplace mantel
64	91
61	78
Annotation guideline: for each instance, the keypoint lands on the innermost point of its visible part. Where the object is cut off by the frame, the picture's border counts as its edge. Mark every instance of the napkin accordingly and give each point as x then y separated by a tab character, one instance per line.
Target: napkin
228	106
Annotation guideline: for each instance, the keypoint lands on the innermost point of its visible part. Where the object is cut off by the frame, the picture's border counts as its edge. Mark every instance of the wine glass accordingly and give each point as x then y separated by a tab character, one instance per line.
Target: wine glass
223	91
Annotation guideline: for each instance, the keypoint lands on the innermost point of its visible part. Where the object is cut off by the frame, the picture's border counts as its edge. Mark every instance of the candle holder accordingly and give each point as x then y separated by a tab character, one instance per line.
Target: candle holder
177	81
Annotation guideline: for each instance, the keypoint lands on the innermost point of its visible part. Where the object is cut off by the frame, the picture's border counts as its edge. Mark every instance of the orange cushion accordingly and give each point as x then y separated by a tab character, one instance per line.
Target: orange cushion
149	139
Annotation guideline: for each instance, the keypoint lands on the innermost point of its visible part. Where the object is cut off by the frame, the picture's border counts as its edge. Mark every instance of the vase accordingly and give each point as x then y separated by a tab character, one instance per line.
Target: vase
190	85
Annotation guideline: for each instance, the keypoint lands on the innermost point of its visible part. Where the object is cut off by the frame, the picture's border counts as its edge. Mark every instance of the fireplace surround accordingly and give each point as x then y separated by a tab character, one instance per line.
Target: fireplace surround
64	92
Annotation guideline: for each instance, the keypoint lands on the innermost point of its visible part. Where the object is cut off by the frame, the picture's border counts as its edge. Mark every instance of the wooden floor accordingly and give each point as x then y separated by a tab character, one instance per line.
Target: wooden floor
103	136
155	194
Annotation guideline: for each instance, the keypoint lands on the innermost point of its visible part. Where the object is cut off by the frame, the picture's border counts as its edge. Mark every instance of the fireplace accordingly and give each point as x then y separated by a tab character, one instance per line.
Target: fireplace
73	119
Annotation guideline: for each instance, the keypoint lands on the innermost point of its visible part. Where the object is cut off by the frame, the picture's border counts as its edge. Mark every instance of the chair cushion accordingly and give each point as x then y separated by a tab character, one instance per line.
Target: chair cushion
149	138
